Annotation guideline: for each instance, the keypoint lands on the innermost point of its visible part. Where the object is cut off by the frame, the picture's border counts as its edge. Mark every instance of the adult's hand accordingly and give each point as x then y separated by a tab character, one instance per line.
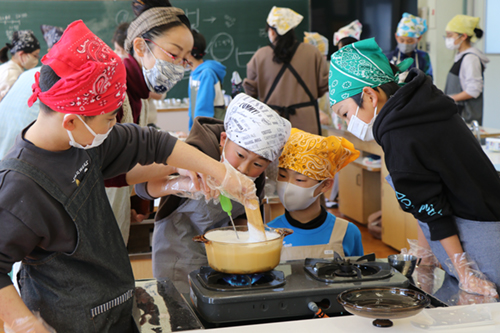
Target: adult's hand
236	186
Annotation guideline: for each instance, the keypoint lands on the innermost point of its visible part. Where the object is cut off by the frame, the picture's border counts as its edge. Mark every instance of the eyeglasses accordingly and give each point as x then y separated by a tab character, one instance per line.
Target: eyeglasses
451	36
184	62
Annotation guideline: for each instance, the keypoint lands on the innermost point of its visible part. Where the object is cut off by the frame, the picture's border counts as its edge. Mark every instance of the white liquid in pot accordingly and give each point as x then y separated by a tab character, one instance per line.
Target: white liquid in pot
228	236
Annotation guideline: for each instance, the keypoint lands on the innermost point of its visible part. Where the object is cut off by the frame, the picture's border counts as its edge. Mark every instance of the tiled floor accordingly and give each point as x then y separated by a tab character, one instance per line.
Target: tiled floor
370	243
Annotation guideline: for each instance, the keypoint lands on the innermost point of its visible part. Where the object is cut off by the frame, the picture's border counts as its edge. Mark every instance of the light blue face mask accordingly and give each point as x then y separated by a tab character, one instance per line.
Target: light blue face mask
163	75
407	48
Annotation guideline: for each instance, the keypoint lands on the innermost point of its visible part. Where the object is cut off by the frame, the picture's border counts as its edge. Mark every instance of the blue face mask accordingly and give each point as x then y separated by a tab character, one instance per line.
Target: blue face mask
163	76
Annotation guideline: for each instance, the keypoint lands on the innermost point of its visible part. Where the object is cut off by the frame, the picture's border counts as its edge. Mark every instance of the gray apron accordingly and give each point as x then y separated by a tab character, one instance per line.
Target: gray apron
90	289
471	109
479	240
175	254
319	251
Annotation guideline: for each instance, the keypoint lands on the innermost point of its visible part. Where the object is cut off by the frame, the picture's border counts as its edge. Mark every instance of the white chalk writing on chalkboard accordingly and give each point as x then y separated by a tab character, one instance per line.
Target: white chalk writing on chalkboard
229	21
246	55
12	23
122	16
211	20
194	13
221	46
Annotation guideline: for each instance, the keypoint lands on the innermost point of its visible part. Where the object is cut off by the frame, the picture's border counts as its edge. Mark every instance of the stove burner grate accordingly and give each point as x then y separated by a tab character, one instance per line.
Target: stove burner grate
218	281
341	270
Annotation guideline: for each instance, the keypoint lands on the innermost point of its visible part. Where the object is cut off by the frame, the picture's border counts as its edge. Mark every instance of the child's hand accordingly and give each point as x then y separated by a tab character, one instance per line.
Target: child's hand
471	280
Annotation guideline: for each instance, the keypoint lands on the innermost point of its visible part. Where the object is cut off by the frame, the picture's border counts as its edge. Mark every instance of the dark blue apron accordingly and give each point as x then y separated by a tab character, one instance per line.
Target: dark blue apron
90	289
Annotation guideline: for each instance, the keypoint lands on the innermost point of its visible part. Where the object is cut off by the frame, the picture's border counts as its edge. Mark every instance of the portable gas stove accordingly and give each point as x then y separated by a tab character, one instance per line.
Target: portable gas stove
286	291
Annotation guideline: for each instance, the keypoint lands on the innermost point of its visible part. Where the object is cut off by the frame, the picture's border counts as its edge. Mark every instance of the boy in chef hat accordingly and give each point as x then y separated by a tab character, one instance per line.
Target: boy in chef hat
408	34
307	167
349	34
250	138
55	215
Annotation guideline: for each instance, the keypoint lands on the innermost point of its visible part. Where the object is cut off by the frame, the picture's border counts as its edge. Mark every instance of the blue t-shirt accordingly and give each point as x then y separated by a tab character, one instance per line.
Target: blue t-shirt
15	112
319	236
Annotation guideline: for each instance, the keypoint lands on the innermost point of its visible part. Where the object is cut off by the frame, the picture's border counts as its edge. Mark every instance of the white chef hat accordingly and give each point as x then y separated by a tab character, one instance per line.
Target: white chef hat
256	127
353	30
283	19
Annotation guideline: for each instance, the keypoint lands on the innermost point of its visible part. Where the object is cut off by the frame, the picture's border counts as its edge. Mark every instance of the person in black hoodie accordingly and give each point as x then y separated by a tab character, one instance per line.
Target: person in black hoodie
438	169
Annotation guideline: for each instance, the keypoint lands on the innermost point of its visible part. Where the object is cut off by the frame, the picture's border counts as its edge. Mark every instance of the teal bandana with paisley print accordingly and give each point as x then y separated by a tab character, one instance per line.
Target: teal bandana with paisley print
358	65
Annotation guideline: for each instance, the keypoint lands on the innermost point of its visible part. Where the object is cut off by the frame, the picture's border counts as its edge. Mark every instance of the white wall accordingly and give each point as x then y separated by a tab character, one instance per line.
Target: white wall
491	74
439	12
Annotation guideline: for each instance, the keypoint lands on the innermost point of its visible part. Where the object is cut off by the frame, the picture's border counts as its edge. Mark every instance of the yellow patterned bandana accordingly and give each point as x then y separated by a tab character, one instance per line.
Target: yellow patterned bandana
316	157
283	19
464	24
317	40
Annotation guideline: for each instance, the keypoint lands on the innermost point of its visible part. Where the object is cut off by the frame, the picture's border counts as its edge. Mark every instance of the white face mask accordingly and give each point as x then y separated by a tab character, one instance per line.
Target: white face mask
163	75
359	128
450	43
406	48
294	197
98	138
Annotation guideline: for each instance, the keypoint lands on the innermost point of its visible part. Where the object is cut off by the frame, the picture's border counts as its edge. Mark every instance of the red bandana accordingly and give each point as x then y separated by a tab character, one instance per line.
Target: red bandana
93	77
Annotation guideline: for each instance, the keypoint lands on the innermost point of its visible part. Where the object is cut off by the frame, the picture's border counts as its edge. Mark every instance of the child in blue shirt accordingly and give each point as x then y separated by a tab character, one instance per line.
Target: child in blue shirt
408	34
307	167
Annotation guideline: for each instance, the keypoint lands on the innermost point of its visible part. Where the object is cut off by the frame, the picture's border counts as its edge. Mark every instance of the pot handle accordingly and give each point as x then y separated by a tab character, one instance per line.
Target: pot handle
284	231
200	239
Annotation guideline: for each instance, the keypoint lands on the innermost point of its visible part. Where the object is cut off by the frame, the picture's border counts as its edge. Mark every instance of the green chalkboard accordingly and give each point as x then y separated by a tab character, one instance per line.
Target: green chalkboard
234	29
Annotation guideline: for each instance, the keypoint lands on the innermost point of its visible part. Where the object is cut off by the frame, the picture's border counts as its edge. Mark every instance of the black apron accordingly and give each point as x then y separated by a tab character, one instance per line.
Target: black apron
90	289
471	109
286	111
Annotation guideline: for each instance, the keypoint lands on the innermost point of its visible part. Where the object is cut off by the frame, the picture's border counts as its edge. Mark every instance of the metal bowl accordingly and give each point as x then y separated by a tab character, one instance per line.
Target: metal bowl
383	304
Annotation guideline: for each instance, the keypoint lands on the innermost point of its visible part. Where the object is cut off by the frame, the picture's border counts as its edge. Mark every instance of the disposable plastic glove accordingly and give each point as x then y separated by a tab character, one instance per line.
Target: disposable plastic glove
465	298
32	324
235	186
185	187
471	280
424	277
428	257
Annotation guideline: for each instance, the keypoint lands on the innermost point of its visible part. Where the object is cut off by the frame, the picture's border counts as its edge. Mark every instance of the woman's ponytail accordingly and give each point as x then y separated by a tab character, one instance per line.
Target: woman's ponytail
478	32
3	54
